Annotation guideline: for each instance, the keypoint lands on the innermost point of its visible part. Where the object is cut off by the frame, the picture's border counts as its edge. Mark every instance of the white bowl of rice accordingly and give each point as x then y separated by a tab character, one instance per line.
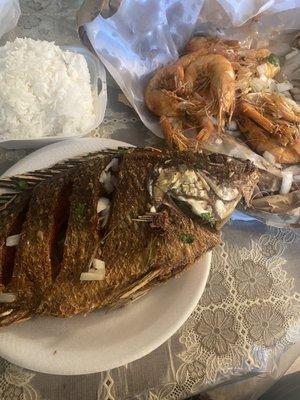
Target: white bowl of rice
48	93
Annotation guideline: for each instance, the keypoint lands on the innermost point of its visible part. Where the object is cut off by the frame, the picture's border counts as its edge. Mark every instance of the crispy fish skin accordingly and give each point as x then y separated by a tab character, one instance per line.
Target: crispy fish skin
33	268
9	225
138	253
82	236
135	255
33	264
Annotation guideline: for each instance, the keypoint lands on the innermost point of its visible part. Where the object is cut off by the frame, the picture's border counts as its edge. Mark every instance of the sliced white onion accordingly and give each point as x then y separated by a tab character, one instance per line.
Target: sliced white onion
13	240
103	203
96	273
269	157
103	208
284	86
293	104
92	276
113	165
99	265
5	313
107	180
105	215
258	84
263	84
272	85
287	181
7	297
232	126
262	69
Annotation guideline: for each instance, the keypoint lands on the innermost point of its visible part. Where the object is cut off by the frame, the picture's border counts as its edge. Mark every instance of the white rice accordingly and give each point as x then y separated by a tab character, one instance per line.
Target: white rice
44	91
287	181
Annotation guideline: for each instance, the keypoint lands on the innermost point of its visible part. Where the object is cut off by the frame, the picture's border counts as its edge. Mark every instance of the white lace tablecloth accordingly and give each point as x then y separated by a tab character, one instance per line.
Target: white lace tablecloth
245	331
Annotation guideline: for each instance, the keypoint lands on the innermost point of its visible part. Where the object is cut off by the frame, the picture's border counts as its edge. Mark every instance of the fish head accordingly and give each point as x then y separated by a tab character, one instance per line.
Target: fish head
210	194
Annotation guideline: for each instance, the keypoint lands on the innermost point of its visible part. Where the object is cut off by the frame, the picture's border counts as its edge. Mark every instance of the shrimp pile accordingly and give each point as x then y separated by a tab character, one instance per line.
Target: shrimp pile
269	122
217	80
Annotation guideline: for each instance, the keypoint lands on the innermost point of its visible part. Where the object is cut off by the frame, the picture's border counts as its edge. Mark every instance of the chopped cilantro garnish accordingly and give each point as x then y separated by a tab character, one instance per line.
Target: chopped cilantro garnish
273	59
79	210
208	218
187	238
22	185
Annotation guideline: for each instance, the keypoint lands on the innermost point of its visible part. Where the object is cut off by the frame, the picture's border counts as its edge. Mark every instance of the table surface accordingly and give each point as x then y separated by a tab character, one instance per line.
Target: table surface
246	328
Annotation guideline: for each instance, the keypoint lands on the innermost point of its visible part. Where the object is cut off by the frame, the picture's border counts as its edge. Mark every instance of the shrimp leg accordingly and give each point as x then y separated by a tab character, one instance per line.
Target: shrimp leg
161	92
216	73
174	138
260	142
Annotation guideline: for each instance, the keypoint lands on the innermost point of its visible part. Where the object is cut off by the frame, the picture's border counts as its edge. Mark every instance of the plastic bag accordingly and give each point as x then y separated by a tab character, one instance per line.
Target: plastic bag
145	35
9	15
139	38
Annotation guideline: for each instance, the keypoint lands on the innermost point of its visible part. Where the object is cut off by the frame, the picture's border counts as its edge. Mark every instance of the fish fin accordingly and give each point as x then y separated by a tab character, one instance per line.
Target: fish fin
11	316
12	186
133	291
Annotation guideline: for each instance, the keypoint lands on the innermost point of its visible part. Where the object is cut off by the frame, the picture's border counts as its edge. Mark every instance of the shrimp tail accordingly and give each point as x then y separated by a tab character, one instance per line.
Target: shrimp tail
174	138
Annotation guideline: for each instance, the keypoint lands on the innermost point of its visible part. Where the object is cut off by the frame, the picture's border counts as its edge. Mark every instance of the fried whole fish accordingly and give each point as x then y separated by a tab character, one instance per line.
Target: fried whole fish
99	231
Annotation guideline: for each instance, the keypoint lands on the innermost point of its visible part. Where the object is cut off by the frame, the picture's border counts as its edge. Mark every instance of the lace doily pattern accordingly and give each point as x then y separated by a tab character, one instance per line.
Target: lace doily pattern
15	383
248	315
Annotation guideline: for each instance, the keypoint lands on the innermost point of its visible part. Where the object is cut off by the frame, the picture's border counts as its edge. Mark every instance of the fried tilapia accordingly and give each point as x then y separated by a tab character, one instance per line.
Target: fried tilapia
99	231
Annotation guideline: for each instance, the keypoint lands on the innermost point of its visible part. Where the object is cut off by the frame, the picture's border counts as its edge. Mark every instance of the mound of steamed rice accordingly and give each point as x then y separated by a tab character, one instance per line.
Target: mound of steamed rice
44	91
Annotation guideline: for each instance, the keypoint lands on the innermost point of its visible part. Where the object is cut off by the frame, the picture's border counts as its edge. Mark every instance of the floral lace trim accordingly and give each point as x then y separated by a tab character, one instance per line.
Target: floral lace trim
246	317
15	383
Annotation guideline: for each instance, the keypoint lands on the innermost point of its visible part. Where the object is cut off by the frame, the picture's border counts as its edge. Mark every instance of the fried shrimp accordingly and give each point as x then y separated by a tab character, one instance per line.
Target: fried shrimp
259	141
201	121
213	76
250	111
207	128
174	138
162	93
203	46
282	132
231	49
216	78
254	54
280	107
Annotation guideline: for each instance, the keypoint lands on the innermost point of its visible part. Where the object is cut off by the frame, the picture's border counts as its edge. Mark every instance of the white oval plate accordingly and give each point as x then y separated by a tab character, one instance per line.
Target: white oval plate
99	341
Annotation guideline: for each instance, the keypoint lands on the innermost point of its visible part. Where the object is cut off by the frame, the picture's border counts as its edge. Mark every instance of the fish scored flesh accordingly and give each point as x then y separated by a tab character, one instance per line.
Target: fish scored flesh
163	211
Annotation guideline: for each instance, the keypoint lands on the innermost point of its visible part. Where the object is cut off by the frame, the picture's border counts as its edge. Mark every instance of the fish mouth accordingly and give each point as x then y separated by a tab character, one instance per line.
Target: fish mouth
194	192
